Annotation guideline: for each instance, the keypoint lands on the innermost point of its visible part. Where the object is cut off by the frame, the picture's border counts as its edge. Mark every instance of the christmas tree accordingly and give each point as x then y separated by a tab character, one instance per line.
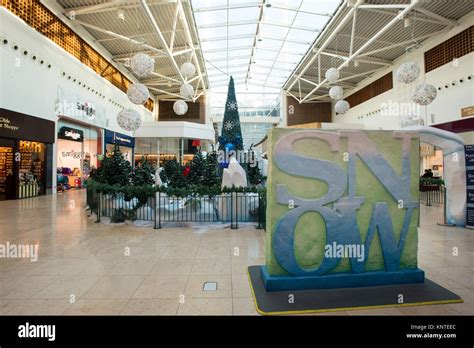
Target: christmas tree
173	172
115	169
143	174
231	132
196	172
212	172
254	175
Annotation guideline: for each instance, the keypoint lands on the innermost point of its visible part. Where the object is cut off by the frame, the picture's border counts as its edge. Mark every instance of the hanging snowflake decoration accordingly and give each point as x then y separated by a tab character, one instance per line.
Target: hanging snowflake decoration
186	91
342	107
332	75
180	107
228	125
424	94
188	70
142	64
138	93
129	120
336	92
408	72
232	106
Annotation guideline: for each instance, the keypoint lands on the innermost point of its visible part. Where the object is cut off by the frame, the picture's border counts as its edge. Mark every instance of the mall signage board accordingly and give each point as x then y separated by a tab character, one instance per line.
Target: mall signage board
16	125
119	139
469	153
343	209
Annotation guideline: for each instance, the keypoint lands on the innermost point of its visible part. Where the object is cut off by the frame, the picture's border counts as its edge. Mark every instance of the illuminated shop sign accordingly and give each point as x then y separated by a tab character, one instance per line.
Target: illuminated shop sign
119	139
16	125
71	134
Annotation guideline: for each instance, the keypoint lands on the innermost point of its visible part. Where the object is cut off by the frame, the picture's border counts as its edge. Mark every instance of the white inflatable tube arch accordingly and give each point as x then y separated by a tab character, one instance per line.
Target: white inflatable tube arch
454	169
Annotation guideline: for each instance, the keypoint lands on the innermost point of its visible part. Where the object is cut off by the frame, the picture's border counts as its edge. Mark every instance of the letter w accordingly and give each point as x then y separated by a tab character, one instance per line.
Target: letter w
381	223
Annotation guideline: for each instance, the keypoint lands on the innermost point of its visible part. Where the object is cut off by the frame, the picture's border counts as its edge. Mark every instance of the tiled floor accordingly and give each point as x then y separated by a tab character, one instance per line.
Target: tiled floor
89	268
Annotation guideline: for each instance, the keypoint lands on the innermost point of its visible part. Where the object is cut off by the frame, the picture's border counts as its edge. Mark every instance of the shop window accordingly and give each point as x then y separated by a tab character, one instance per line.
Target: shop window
32	166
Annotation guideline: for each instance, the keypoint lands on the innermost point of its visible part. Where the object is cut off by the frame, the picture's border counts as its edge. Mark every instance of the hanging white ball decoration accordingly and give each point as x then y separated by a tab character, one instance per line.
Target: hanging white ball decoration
142	64
424	94
186	91
188	70
336	92
408	72
129	120
138	93
180	107
342	107
332	75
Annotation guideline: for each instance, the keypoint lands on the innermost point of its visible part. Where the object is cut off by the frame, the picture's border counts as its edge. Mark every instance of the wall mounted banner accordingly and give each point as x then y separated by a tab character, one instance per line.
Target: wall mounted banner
469	152
342	209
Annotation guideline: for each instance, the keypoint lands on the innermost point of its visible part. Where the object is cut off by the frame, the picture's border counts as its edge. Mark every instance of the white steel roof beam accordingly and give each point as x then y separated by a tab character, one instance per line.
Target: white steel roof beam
403	43
190	41
405	11
229	7
332	35
161	38
118	36
440	19
111	6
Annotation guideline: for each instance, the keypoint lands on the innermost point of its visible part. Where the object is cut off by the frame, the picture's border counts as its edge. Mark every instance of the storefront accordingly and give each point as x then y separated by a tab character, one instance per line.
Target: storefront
125	143
170	149
431	161
26	151
79	147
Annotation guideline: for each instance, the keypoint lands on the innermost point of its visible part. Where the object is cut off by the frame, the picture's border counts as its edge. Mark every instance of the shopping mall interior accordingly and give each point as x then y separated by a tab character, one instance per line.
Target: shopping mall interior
198	157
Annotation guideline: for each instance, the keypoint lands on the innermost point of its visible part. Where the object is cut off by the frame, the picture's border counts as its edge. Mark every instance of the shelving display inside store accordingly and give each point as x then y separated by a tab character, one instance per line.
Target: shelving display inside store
6	169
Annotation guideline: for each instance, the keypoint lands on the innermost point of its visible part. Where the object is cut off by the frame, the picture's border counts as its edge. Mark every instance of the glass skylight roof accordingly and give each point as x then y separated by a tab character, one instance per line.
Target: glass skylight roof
258	42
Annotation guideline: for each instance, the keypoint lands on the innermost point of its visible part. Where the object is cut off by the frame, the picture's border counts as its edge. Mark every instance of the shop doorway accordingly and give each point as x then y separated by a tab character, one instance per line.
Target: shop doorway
79	147
7	184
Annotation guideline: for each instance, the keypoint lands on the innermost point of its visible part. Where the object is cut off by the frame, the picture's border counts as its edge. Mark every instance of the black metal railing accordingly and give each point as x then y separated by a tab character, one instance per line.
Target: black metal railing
233	208
432	193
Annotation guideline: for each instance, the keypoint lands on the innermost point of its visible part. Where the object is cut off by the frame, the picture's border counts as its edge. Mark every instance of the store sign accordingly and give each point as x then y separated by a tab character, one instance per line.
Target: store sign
80	107
119	139
467	112
72	134
469	153
6	123
427	150
16	125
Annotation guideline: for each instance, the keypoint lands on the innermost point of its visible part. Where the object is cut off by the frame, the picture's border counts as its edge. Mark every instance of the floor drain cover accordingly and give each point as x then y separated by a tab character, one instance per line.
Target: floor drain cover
210	286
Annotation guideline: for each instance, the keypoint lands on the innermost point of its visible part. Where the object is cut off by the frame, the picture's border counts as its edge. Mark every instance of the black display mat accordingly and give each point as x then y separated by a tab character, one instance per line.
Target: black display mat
328	300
